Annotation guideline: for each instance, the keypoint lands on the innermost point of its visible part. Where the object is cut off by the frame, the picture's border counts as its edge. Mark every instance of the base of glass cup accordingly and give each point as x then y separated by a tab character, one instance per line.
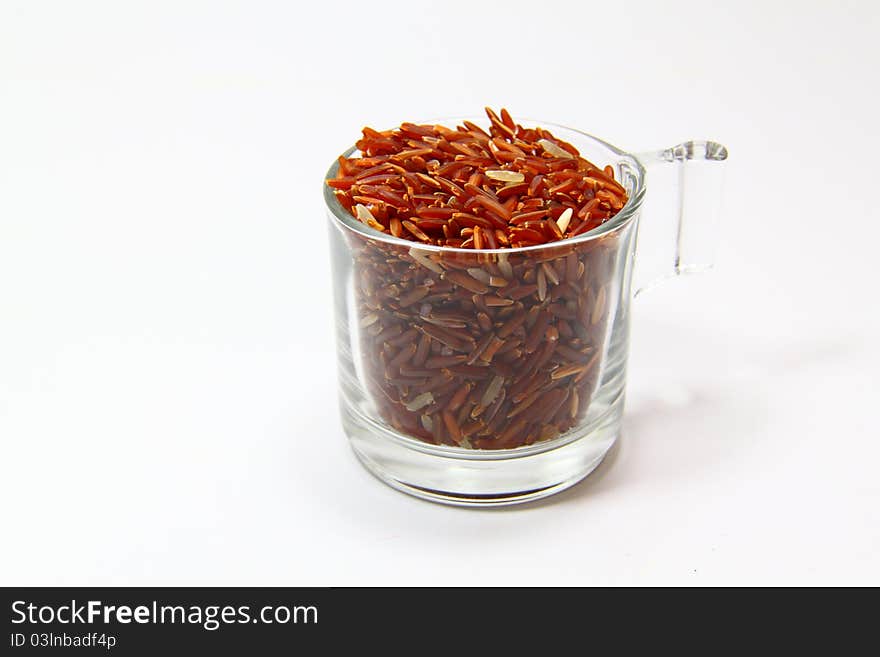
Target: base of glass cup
481	478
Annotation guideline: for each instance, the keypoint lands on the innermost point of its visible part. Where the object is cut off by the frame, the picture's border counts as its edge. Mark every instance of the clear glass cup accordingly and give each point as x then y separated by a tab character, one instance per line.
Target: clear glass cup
495	377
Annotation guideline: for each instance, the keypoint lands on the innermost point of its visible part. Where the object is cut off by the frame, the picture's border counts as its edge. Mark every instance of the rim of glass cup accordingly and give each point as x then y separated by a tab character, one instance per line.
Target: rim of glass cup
626	213
629	210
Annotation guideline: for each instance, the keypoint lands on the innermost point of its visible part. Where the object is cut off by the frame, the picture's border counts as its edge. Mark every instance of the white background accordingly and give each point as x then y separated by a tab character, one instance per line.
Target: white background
167	385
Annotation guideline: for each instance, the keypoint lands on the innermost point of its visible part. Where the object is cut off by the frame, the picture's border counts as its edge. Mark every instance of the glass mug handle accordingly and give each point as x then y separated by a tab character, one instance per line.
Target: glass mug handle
687	179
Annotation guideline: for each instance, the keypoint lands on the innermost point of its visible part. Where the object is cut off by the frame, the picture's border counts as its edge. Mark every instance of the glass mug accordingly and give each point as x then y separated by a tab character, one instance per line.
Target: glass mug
494	377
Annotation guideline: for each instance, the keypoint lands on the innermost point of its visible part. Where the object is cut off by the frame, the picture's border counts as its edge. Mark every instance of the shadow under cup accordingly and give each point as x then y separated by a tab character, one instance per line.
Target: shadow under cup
485	377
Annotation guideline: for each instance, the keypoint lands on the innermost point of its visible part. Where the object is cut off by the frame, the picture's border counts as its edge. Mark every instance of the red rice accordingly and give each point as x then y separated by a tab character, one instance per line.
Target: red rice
391	177
480	350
